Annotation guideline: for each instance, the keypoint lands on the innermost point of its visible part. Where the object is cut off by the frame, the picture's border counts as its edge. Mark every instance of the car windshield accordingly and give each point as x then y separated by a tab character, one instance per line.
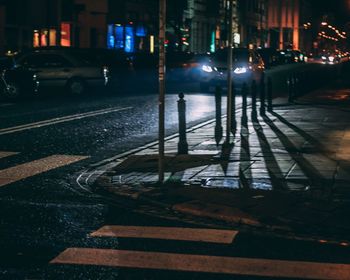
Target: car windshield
238	55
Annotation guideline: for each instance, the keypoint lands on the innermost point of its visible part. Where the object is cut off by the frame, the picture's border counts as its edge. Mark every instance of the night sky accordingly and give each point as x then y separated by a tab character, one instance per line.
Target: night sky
339	9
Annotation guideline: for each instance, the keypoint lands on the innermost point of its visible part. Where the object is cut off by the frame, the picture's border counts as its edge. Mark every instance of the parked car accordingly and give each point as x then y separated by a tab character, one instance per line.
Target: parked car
61	68
292	56
17	81
247	66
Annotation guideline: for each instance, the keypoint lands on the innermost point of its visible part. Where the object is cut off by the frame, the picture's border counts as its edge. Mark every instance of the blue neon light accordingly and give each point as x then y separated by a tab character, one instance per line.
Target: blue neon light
110	37
119	37
141	31
129	39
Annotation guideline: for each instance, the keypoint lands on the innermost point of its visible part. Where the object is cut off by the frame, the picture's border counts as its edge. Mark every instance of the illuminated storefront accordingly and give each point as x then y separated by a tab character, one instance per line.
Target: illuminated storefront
129	38
49	36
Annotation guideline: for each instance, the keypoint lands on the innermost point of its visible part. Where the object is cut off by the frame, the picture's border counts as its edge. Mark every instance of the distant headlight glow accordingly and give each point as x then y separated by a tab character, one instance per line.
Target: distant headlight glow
240	70
207	68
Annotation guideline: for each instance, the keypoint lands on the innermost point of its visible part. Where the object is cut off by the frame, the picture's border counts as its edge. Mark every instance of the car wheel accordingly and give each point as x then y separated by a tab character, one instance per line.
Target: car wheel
76	87
12	91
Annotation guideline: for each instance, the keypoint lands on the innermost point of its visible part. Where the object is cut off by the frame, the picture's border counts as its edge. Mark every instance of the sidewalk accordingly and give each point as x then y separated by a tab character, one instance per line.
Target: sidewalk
287	172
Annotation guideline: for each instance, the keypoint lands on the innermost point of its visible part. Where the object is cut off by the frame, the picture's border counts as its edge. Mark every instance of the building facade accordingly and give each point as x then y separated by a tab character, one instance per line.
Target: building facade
132	25
252	21
56	23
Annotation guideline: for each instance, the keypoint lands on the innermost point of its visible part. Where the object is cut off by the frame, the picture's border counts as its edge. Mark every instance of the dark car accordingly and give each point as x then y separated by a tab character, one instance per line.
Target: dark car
292	56
180	66
247	66
270	56
61	68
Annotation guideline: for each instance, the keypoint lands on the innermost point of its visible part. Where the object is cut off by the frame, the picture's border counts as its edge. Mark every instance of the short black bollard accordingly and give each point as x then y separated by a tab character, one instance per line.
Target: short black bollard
262	95
269	95
182	145
244	104
254	90
218	124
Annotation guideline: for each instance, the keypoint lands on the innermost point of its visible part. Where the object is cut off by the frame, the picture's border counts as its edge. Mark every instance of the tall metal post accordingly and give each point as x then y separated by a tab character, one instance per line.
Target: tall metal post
229	77
161	80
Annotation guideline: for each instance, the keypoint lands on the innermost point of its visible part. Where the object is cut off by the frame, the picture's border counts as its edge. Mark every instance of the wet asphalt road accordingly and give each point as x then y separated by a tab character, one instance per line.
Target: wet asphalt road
43	215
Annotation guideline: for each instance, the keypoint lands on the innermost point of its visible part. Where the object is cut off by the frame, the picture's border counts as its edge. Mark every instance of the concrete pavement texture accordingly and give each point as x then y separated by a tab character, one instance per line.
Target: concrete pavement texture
287	171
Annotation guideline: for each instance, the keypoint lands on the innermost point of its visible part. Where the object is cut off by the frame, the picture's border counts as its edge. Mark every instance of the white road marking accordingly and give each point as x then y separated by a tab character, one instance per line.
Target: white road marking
7	154
6	104
169	233
203	263
23	127
35	167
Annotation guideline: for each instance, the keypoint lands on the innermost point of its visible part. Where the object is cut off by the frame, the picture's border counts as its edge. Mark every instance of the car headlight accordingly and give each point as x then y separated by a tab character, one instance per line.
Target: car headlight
331	58
323	57
240	70
105	71
207	68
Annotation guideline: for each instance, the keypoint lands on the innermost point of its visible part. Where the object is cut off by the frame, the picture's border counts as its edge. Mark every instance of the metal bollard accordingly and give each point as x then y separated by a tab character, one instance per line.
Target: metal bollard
182	146
218	124
244	103
269	95
262	95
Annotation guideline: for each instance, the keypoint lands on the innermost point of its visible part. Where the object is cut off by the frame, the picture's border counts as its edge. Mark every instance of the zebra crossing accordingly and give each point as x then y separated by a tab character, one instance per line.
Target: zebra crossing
35	167
188	262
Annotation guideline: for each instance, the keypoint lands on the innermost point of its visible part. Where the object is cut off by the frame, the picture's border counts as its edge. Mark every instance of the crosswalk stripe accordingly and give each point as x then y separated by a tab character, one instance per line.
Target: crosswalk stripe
7	154
35	167
203	263
170	233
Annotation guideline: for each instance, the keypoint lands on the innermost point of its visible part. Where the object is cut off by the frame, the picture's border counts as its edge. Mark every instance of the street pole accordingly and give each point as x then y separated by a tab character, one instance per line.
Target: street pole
161	80
229	77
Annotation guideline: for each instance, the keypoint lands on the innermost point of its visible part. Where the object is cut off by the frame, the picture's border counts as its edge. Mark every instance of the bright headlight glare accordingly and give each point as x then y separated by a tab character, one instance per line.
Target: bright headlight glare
331	58
207	68
323	57
240	70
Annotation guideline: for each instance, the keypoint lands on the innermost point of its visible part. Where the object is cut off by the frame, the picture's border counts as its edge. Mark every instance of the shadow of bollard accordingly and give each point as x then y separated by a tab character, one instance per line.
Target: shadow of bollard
262	95
244	119
218	124
254	90
269	95
233	106
182	146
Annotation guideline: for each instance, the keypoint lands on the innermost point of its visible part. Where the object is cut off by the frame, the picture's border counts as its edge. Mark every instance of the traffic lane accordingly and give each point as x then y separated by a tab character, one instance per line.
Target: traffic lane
49	107
53	105
102	135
